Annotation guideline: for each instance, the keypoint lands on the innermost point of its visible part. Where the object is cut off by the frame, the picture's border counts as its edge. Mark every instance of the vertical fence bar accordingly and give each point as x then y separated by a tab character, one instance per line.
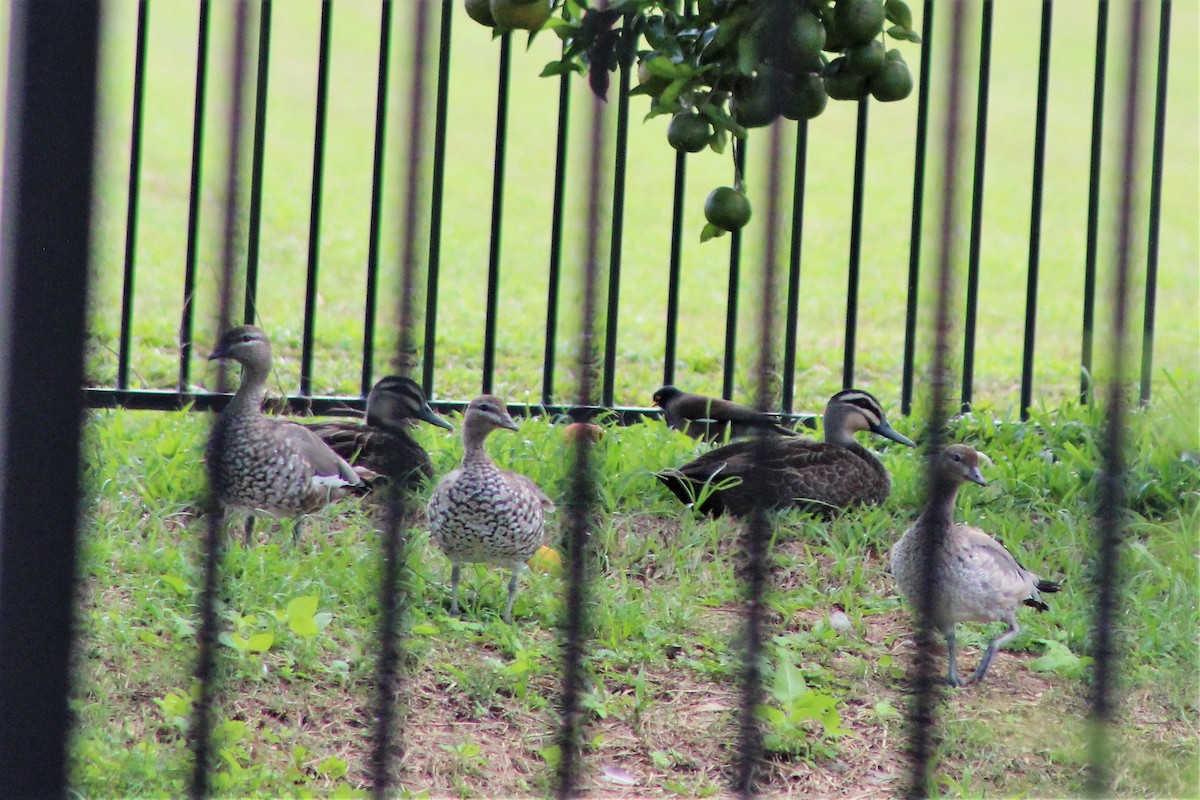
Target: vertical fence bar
131	210
200	732
45	230
556	231
314	220
1107	577
254	223
735	260
575	624
618	231
1156	168
856	215
793	290
1093	213
981	119
1035	214
674	269
395	598
193	224
756	535
923	675
433	269
381	95
918	209
493	282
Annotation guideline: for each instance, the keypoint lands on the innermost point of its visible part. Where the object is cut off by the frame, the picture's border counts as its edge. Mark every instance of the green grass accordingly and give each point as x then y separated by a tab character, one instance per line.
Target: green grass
297	664
642	302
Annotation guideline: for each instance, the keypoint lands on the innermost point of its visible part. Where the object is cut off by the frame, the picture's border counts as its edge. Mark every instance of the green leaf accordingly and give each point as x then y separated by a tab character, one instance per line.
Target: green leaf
789	683
551	755
260	642
300	613
178	584
1059	659
558	68
671	93
897	11
711	232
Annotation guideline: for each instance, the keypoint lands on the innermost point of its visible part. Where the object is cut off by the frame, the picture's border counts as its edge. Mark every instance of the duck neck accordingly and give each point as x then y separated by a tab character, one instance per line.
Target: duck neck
250	394
940	508
473	439
836	430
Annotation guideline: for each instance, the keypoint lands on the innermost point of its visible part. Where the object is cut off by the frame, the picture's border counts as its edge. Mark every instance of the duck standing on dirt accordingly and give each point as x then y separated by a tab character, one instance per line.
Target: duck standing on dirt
481	513
976	578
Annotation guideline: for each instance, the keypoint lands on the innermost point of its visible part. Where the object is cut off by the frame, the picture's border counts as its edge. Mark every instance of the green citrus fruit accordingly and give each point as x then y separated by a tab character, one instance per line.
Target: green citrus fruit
806	98
727	208
866	59
528	16
808	34
757	100
842	84
859	21
480	11
893	82
689	132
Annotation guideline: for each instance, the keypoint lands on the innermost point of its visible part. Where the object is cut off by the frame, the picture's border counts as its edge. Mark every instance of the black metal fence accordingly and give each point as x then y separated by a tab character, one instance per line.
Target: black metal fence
46	222
126	385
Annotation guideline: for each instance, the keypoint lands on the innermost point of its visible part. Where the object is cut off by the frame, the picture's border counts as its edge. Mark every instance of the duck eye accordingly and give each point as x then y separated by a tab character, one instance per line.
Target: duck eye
956	457
245	338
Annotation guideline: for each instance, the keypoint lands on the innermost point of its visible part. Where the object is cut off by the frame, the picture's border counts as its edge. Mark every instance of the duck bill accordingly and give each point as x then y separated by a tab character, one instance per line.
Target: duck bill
427	414
975	476
888	432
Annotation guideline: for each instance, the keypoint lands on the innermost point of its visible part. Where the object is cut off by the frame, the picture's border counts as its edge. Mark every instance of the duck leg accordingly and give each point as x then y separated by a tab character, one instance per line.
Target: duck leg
249	533
512	595
952	656
993	646
455	575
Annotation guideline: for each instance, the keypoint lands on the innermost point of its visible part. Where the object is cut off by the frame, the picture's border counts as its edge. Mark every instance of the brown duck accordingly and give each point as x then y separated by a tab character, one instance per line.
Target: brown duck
480	512
267	466
976	578
796	473
384	444
713	419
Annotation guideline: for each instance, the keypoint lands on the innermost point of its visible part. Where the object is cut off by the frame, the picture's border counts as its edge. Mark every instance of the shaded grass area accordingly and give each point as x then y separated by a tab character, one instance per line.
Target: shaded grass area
479	698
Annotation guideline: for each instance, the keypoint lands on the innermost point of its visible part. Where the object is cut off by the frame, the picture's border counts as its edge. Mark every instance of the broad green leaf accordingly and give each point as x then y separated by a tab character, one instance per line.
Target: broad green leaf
260	642
711	232
300	613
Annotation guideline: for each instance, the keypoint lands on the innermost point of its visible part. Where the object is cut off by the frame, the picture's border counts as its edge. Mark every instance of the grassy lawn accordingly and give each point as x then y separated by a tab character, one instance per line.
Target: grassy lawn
297	664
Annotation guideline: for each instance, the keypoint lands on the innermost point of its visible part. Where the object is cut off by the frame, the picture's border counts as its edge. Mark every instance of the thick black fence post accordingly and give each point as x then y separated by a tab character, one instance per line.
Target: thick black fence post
1106	577
45	227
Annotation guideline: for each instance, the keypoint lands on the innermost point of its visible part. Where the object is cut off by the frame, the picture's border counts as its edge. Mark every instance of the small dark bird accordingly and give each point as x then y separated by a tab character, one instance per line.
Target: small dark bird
976	578
819	476
480	512
384	444
711	418
262	465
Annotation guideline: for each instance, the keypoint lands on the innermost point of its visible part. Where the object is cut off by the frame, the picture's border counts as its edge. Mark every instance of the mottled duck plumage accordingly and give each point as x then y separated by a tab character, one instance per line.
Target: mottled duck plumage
266	466
481	513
